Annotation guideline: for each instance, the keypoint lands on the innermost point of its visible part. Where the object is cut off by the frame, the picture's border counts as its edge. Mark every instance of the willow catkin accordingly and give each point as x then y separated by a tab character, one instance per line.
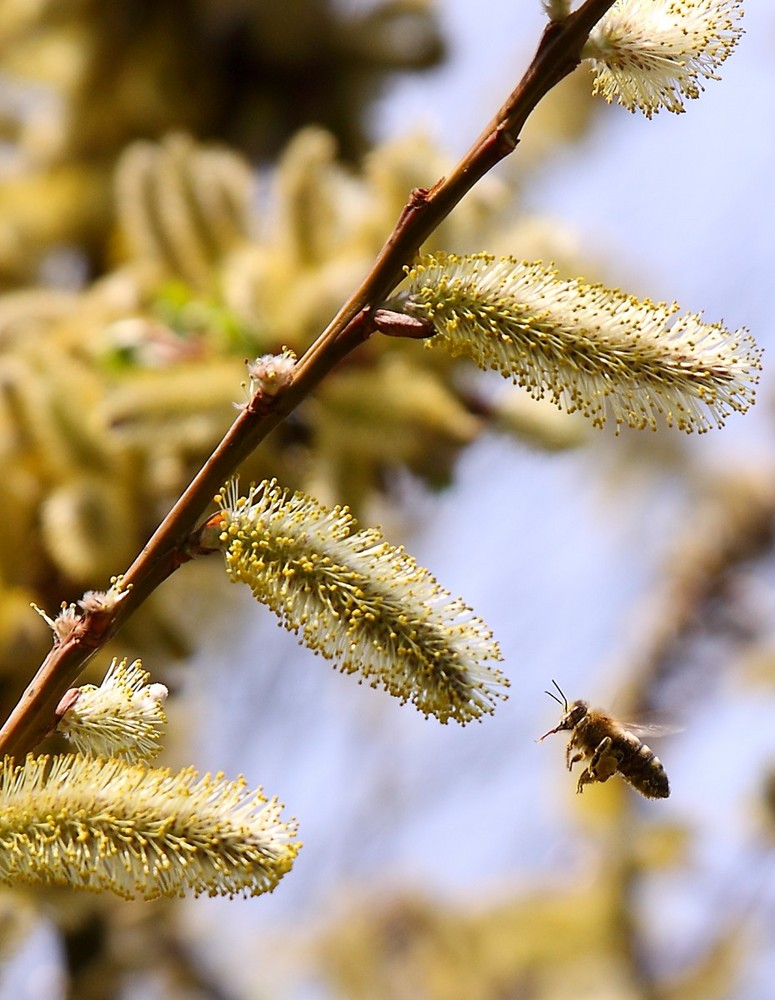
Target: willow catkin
360	601
586	347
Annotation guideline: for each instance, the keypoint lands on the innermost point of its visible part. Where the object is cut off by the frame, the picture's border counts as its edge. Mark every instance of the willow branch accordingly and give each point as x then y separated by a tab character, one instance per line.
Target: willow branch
558	54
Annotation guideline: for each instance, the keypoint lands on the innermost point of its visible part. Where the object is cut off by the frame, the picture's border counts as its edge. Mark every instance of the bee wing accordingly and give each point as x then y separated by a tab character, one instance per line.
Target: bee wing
651	729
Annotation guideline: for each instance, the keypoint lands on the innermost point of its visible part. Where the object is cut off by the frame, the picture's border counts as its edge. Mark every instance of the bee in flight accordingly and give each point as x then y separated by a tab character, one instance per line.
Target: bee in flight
609	747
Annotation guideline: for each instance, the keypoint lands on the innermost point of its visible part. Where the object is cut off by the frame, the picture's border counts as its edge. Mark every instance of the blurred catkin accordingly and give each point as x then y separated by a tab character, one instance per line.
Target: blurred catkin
87	78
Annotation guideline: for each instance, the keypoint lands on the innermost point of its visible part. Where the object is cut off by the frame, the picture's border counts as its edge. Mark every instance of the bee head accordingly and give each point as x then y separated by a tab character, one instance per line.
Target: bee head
572	714
578	710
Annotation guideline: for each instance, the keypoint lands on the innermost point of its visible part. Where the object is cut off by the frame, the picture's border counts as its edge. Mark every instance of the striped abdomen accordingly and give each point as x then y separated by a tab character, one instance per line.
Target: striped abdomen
642	768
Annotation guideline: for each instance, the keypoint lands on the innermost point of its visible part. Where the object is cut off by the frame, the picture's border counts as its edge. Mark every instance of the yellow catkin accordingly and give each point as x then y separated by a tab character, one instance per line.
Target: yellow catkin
106	825
652	54
360	601
123	717
584	346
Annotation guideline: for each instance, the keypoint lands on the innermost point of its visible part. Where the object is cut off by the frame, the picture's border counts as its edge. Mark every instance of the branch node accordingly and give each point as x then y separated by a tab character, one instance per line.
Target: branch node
398	324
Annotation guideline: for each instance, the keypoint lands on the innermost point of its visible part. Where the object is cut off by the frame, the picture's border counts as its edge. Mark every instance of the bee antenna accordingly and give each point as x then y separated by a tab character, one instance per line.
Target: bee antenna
564	701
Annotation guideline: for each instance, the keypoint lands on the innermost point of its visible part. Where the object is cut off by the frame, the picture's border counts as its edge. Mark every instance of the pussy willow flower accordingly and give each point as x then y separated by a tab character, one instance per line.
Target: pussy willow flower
586	347
105	601
652	54
94	602
360	601
106	825
271	372
123	717
555	10
65	623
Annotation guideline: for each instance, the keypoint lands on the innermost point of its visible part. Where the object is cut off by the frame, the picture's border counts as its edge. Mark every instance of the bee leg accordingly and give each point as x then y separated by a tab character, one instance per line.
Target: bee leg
585	778
602	765
570	761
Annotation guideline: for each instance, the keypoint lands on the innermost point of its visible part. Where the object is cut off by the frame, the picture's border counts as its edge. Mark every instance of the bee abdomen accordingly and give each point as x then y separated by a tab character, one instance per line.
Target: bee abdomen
644	770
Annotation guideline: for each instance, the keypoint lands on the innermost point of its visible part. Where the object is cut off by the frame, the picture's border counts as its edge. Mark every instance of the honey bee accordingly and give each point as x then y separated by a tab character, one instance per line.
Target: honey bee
609	747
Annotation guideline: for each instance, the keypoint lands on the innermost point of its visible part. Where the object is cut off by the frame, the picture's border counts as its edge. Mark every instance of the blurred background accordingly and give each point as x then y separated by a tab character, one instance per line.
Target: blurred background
186	184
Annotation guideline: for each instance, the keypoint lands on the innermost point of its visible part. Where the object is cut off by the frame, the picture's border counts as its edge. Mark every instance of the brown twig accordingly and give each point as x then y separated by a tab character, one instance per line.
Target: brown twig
558	54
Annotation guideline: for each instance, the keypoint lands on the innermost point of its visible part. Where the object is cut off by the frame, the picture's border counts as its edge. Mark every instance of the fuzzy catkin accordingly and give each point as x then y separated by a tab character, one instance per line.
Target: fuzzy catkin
122	718
360	601
105	825
586	347
653	54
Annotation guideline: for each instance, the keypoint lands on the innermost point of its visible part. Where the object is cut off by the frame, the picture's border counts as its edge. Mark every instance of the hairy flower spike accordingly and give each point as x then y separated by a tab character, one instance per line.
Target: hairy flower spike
652	54
88	823
360	601
104	601
587	347
121	718
556	10
271	372
64	624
